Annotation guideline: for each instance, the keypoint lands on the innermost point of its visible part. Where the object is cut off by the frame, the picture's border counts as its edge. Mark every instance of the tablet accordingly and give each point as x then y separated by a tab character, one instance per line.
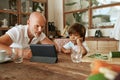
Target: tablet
43	53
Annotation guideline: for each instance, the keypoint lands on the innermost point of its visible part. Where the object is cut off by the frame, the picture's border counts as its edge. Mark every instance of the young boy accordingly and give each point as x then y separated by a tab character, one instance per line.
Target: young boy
77	40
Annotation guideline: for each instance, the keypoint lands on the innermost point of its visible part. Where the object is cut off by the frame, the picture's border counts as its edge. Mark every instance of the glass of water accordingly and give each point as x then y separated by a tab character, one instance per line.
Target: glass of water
17	54
76	56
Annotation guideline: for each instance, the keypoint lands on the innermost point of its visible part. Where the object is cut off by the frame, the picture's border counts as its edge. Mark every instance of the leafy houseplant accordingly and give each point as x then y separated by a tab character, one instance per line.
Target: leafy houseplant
38	6
77	15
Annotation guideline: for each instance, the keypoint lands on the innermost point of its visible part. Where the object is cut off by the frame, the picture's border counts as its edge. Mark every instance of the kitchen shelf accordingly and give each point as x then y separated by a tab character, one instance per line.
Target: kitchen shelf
17	15
104	38
9	12
4	28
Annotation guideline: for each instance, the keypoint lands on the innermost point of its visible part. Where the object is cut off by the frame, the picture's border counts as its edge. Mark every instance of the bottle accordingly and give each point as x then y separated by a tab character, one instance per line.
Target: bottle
4	23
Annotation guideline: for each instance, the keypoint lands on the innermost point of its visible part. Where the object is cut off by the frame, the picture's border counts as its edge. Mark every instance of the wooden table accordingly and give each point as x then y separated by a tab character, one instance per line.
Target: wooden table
65	69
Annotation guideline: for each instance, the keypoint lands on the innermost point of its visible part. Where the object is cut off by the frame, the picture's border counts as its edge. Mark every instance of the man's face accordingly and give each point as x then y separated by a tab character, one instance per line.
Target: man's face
36	27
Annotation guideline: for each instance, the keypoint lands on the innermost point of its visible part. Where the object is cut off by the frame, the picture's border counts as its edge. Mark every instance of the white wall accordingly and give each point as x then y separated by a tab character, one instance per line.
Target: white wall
55	13
51	10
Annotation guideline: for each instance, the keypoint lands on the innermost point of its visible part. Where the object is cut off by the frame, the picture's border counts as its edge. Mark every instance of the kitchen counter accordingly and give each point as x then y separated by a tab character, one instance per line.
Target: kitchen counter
92	38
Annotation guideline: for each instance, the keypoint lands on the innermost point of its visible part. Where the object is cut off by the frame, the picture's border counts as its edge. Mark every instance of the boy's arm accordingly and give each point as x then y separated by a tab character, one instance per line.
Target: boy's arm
48	41
67	48
66	51
79	43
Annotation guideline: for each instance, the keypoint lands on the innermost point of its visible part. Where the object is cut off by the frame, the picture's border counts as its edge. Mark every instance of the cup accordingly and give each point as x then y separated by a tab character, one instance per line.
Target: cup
76	56
17	55
2	55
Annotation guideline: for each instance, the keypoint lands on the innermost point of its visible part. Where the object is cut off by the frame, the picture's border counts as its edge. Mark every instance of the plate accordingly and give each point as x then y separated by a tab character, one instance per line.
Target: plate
6	59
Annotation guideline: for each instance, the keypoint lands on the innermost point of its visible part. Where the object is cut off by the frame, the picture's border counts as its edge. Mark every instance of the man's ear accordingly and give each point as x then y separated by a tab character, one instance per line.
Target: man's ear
81	39
28	21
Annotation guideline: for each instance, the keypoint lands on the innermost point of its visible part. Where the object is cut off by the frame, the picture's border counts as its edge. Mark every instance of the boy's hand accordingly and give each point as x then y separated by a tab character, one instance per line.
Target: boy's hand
67	51
79	41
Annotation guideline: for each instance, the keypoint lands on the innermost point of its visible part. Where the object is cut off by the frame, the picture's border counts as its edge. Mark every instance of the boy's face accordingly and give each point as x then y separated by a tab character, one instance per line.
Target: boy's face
74	36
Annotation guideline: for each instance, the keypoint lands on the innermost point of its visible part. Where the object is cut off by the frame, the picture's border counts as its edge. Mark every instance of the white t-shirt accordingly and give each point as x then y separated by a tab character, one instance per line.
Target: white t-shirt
71	45
19	36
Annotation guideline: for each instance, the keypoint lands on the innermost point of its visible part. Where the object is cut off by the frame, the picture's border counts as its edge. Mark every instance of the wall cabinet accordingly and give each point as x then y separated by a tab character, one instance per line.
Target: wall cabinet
98	46
91	13
17	11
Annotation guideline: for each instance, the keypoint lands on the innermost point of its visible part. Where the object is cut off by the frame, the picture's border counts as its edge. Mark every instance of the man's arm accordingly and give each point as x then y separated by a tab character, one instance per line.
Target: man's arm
48	41
5	42
79	43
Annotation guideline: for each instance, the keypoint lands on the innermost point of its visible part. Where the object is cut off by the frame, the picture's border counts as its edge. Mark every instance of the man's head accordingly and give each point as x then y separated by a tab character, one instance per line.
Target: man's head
36	24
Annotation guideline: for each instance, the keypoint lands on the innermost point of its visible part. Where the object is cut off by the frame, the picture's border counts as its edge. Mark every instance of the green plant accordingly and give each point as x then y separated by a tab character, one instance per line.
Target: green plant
70	4
37	6
77	16
95	2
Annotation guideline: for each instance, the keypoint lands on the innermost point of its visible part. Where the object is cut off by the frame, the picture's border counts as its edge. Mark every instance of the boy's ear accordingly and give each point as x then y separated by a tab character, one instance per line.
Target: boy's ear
81	39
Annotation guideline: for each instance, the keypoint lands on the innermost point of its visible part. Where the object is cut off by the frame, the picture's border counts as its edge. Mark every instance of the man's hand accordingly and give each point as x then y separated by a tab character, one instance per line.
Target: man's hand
27	53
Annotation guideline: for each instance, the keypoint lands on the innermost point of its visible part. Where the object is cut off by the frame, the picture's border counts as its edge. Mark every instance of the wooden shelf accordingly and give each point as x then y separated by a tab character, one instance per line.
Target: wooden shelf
23	13
104	38
43	1
9	12
102	27
17	16
4	28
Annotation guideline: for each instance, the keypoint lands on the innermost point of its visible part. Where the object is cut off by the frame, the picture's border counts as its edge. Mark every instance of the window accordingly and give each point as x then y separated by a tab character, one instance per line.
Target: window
91	13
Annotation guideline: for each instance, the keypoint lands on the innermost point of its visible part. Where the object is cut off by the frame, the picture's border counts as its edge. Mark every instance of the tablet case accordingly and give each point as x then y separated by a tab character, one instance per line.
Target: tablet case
45	53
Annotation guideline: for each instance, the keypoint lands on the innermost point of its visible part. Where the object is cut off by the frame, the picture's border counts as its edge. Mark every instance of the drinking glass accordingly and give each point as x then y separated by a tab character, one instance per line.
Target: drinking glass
17	54
2	55
76	56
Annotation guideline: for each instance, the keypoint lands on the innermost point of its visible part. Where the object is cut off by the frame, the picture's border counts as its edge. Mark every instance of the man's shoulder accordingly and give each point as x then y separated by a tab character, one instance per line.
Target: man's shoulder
21	26
17	29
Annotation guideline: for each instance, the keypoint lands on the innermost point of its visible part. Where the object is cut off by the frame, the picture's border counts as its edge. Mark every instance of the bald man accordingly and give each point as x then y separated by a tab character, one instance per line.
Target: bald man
24	35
